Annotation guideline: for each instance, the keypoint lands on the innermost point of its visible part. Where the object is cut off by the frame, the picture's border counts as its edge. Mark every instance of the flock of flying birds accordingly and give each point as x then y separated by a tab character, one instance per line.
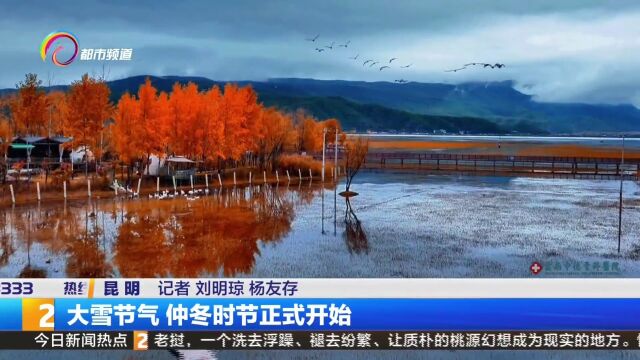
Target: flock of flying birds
371	63
383	65
484	65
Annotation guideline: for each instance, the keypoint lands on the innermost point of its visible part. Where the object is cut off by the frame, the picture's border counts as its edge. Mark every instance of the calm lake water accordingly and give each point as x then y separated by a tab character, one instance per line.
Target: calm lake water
403	224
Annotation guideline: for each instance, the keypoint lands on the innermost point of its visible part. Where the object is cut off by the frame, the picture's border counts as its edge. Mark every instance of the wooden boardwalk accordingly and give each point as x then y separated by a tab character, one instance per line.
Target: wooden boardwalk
574	167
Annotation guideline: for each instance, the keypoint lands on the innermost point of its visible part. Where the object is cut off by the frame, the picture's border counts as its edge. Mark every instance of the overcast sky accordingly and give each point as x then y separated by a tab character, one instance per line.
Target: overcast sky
569	50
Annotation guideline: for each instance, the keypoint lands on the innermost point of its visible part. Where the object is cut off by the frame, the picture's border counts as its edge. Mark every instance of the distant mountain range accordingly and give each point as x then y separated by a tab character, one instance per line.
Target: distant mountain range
487	108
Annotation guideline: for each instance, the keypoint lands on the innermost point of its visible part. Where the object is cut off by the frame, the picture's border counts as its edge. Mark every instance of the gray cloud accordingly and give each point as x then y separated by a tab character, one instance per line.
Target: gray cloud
573	50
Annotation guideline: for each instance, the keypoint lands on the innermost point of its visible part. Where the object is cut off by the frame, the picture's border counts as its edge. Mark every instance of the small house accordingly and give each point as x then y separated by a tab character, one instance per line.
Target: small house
180	167
36	149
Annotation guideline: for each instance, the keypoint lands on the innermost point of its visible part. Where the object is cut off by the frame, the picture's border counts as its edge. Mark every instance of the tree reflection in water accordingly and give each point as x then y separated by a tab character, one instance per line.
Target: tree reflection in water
30	271
212	235
217	235
6	242
354	234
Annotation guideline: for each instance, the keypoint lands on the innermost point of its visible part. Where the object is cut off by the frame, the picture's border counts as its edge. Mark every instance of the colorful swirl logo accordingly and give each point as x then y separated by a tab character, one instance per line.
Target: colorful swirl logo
52	38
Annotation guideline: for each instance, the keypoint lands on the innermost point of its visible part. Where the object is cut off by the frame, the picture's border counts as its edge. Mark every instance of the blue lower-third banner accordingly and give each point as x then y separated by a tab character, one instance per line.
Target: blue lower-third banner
319	314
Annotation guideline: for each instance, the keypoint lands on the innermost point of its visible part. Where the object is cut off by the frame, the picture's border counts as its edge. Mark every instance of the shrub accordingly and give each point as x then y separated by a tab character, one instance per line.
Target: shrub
61	174
302	162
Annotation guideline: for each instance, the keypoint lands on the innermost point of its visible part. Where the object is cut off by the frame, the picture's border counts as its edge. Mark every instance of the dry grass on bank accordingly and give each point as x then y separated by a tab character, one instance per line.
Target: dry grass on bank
506	148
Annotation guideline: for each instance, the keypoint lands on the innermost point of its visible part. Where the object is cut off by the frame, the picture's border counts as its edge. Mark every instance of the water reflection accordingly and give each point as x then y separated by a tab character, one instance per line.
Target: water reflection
220	234
354	233
6	245
31	271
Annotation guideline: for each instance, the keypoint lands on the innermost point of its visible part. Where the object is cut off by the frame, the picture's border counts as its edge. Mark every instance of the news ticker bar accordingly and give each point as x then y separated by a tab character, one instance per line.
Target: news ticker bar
338	314
300	340
320	288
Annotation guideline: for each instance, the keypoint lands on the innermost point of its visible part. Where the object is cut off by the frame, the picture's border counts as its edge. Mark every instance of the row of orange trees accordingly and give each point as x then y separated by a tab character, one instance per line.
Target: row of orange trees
216	126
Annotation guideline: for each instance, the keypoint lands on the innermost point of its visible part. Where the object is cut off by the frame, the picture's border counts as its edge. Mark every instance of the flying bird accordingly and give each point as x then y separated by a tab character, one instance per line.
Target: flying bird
406	66
319	49
355	57
330	47
365	63
345	44
383	67
373	63
456	70
313	39
391	60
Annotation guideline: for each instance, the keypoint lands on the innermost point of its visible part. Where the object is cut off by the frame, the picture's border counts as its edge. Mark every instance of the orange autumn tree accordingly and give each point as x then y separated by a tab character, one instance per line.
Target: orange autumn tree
182	119
275	132
211	137
153	119
220	125
309	132
6	136
240	111
163	132
88	106
56	108
332	127
355	153
128	131
29	107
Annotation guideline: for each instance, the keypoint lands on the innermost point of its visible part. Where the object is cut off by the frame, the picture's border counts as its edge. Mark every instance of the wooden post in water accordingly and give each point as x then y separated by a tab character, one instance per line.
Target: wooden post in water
158	184
335	153
191	179
264	176
620	202
234	178
249	177
139	183
300	174
288	177
13	195
64	189
89	187
175	187
38	189
277	177
310	175
324	146
206	180
219	180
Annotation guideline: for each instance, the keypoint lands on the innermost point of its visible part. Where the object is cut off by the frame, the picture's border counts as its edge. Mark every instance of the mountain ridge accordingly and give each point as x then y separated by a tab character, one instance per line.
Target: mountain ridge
470	106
